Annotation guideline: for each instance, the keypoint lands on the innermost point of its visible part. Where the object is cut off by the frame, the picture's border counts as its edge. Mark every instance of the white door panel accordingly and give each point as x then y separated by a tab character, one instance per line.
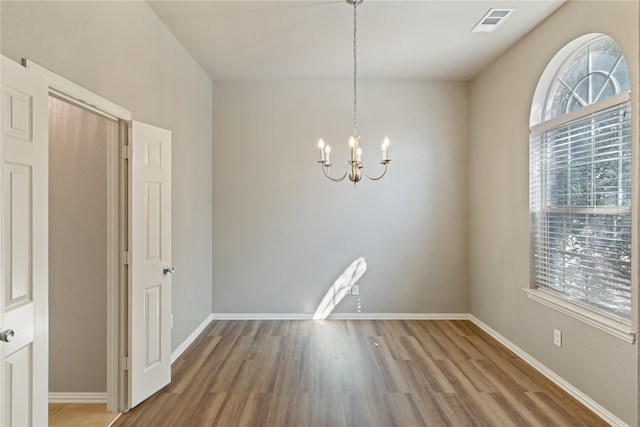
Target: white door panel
23	246
150	290
18	388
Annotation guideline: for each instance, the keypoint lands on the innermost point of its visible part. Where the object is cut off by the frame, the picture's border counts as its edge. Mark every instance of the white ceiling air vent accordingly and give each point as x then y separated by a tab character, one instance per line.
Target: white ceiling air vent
491	20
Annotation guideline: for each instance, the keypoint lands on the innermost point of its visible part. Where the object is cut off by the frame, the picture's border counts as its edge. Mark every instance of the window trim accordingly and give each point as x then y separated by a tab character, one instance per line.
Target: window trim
539	102
609	102
615	103
624	329
609	324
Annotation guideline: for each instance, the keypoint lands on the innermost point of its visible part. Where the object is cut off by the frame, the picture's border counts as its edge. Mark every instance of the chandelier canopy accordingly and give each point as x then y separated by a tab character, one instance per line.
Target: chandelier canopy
355	167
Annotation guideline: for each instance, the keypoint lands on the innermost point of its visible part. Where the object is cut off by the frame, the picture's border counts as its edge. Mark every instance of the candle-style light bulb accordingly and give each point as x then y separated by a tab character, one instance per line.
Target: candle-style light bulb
321	146
352	151
327	150
385	149
359	154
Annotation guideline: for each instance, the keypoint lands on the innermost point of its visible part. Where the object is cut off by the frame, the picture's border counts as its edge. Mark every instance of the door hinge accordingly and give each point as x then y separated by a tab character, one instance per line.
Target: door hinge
125	151
126	258
126	364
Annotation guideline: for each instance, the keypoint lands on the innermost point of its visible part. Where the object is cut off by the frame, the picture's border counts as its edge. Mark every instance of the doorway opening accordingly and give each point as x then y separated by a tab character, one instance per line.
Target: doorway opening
82	146
115	122
138	240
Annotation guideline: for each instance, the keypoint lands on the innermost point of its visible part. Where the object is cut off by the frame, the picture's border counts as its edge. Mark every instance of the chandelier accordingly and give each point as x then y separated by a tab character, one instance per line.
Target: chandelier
355	167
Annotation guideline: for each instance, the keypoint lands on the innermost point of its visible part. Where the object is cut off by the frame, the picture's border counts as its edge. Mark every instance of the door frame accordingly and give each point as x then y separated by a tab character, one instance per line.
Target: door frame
117	227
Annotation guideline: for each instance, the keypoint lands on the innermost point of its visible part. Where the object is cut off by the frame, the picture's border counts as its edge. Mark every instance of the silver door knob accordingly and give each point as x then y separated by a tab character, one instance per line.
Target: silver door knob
7	335
168	269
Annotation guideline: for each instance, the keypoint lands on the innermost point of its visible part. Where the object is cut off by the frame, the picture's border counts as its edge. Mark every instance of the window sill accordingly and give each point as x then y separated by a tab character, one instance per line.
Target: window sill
599	321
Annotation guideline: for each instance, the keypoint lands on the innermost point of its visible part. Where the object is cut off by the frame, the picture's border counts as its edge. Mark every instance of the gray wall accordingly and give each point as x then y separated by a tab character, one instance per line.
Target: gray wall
77	248
283	232
123	52
601	366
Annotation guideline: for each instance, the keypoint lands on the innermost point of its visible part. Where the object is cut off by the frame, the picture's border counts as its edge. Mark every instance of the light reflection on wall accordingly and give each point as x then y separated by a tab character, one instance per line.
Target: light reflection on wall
339	288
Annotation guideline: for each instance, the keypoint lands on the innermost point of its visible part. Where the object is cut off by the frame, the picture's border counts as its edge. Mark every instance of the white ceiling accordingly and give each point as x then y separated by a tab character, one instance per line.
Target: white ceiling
304	39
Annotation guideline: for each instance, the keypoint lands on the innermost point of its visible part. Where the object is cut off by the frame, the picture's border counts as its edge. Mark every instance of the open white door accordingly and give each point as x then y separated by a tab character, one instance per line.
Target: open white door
24	154
150	266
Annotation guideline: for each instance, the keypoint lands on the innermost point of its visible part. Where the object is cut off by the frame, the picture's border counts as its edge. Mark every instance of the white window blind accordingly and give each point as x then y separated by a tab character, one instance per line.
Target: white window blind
580	206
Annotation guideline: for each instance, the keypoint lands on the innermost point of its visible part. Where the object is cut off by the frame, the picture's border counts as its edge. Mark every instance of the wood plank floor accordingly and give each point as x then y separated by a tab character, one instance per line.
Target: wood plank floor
354	373
80	415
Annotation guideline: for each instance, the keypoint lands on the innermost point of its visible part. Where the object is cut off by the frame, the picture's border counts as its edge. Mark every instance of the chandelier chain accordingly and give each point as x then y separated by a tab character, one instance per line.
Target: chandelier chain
355	68
354	167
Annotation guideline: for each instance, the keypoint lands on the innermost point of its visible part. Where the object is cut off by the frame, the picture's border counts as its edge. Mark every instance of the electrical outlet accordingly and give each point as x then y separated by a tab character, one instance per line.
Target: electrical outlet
557	337
355	290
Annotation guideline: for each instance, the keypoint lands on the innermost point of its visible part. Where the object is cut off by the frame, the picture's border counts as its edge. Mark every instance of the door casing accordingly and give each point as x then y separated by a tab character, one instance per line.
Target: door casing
117	228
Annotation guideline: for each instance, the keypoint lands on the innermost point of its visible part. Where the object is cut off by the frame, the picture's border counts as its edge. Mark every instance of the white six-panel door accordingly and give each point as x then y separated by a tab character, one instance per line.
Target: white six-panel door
150	289
23	247
24	252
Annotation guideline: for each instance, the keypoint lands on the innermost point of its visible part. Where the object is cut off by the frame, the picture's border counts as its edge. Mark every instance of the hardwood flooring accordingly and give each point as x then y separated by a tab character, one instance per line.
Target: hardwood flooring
80	415
359	373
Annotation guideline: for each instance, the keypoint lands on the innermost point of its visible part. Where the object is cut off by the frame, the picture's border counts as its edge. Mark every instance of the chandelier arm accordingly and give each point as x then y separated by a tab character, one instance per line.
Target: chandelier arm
324	170
384	163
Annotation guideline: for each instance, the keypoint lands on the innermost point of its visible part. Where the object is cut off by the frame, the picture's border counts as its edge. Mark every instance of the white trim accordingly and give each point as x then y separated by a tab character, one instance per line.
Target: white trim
599	321
341	316
611	101
190	339
260	316
398	316
113	267
555	378
115	419
71	91
82	103
550	72
55	397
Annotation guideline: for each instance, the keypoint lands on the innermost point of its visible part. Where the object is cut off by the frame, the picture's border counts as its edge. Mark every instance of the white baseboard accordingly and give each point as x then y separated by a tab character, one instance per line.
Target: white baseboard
55	397
398	316
342	316
261	316
190	339
555	378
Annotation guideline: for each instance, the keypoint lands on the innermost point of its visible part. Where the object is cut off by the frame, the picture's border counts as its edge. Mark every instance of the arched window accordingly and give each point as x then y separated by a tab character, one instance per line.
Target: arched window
580	178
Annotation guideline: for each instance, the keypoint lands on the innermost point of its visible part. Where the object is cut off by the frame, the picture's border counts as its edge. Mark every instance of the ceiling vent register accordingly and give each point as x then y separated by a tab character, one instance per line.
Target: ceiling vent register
492	20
